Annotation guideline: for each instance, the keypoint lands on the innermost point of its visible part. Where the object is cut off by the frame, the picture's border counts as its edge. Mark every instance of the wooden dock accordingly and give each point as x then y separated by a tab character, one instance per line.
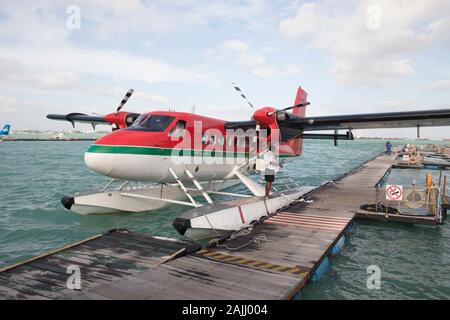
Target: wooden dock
273	261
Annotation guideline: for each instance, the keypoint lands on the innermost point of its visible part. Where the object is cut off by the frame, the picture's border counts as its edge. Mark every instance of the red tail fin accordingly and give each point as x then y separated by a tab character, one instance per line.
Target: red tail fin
301	97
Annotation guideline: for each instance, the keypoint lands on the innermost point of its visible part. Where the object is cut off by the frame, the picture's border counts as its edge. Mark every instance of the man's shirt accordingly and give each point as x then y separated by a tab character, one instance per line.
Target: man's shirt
270	163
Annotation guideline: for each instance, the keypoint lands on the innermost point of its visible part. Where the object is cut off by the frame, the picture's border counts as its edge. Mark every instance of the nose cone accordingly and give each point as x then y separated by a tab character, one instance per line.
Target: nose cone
181	225
102	163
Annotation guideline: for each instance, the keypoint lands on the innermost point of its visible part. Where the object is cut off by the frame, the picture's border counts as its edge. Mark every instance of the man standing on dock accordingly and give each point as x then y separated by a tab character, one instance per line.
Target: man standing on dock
270	169
388	148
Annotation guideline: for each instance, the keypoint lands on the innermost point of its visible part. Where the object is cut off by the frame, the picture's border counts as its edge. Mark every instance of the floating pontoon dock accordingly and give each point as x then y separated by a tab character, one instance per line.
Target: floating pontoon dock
274	261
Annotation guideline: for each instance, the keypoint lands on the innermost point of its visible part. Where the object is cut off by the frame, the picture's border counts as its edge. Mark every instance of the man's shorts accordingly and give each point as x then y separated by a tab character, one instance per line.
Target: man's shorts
269	177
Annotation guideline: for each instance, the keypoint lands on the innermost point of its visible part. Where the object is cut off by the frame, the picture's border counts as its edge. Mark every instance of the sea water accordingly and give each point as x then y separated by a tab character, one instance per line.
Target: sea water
413	260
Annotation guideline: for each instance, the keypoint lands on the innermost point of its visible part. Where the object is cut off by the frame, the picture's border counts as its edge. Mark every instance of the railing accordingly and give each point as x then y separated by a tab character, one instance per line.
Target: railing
415	201
285	183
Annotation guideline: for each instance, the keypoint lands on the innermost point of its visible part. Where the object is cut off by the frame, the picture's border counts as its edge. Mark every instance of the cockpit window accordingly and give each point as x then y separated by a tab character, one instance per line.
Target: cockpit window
154	123
131	118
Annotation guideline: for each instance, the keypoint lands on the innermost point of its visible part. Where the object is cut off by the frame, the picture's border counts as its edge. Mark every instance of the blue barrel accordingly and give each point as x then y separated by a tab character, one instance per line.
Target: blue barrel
320	270
350	227
298	295
338	246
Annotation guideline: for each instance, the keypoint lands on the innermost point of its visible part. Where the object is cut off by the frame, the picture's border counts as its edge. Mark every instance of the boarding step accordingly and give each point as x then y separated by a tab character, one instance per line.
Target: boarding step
326	223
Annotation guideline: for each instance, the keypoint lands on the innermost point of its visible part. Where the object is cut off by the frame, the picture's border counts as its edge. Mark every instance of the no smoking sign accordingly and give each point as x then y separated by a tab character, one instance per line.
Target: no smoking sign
394	192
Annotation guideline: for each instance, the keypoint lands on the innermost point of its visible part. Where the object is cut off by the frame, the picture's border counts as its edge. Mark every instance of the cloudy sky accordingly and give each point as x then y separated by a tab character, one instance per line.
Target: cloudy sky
350	56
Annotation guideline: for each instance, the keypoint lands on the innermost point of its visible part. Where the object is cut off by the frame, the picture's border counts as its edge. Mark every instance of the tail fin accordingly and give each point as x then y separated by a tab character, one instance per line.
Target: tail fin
301	97
5	130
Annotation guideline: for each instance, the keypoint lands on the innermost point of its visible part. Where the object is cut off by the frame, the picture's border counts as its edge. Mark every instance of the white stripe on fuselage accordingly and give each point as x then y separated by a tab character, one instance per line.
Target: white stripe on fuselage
154	168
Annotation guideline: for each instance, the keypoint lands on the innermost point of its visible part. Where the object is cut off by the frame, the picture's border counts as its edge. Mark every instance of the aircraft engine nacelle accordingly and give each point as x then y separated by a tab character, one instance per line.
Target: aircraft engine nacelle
266	117
121	119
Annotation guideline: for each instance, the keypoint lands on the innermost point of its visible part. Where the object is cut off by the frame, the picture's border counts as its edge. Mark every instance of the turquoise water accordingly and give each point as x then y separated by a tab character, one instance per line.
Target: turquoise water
35	175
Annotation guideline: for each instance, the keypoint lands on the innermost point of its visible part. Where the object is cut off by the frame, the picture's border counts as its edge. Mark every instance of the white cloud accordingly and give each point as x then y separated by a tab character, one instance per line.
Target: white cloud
138	95
291	69
246	57
235	45
14	73
366	51
38	52
13	105
226	111
7	104
61	68
45	21
33	22
266	71
439	85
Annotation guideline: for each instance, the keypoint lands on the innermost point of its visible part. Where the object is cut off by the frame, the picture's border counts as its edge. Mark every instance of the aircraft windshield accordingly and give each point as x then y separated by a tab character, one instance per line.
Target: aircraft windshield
152	123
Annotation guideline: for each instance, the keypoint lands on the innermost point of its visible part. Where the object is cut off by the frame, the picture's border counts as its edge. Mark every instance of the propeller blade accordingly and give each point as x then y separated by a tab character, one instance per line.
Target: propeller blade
124	100
239	91
295	106
289	108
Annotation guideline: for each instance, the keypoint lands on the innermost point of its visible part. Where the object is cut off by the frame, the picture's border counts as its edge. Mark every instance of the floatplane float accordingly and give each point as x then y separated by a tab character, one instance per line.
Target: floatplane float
186	156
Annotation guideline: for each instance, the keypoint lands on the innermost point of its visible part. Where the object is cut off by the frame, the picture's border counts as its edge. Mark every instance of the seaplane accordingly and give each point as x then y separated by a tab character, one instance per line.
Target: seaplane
187	158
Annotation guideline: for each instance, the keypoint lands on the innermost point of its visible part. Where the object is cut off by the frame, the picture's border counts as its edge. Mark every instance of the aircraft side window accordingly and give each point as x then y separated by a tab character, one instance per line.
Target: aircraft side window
129	119
205	138
178	129
152	123
142	120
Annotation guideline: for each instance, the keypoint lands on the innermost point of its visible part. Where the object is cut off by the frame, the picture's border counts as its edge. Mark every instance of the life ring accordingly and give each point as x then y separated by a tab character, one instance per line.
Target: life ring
412	160
414	198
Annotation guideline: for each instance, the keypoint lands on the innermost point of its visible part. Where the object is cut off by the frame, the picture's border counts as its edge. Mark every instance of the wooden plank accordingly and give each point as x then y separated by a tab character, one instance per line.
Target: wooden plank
8	293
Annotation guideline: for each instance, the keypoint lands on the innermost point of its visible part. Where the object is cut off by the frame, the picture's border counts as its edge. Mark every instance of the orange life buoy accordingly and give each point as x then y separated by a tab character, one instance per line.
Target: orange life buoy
429	181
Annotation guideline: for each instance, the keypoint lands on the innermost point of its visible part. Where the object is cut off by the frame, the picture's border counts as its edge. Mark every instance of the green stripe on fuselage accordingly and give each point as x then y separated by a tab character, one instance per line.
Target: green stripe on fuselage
97	148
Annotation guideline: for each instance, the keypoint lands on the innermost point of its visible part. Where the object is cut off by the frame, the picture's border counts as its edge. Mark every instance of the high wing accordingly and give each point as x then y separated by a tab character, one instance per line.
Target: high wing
425	118
120	119
292	126
79	117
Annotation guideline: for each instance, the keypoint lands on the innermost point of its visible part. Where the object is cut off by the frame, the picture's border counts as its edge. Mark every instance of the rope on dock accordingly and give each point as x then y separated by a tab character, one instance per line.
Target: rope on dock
258	239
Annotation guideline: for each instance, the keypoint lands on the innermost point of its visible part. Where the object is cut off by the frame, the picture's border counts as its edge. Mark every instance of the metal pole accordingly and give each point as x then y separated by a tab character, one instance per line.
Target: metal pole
445	185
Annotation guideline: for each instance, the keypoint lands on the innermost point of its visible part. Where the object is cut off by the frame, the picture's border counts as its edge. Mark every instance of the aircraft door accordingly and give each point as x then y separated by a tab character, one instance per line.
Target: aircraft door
177	131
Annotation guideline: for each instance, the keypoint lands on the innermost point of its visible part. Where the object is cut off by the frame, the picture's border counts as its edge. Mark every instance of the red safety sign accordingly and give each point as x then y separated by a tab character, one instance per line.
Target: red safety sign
394	192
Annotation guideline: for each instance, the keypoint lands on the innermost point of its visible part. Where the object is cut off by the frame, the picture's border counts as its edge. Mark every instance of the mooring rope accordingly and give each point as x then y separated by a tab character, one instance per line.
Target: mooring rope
258	239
